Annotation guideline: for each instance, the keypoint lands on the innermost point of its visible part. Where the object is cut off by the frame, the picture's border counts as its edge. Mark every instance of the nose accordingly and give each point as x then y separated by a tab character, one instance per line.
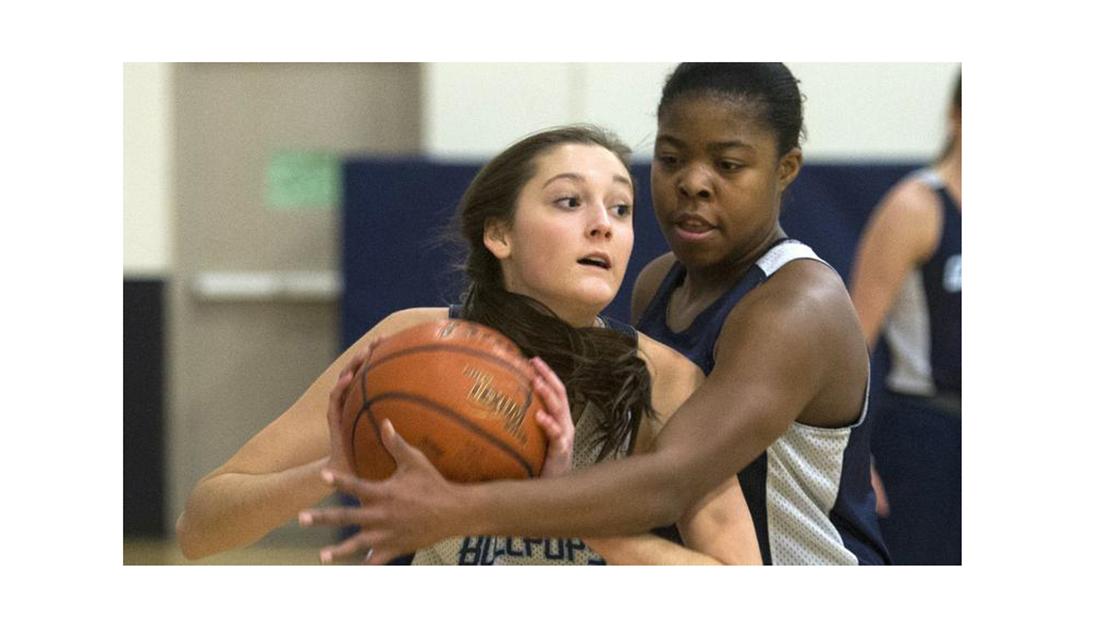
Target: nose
694	183
599	225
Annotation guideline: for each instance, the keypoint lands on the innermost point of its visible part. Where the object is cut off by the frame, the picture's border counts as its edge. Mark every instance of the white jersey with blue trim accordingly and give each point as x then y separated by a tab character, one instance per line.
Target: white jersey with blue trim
499	550
490	550
809	493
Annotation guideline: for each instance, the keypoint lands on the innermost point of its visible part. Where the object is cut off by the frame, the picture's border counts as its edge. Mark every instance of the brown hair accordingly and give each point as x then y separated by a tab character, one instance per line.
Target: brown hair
956	107
597	365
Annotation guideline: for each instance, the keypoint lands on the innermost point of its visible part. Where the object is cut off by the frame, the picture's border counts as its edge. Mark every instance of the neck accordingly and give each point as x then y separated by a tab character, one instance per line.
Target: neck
712	280
578	320
571	313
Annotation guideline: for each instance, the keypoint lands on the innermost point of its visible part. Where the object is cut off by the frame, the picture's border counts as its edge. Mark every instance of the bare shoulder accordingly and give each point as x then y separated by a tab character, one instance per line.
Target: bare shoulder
647	283
665	361
801	323
911	195
909	216
803	294
801	317
673	376
401	320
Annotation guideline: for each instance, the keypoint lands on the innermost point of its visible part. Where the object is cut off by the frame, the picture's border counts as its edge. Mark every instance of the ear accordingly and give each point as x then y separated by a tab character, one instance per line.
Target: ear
789	167
496	239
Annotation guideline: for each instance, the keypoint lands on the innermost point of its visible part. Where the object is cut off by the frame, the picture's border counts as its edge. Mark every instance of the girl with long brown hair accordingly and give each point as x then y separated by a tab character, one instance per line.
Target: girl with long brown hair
549	228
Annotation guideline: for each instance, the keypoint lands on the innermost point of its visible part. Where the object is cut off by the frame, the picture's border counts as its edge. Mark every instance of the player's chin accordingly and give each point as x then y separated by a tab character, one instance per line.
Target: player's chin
697	255
597	295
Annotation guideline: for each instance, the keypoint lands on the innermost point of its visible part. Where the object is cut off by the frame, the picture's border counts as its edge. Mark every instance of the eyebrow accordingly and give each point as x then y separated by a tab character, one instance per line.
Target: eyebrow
710	145
619	178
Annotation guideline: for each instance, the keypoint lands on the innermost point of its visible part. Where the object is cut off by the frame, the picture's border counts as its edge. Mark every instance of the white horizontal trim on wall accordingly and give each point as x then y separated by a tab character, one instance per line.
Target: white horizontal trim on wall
267	286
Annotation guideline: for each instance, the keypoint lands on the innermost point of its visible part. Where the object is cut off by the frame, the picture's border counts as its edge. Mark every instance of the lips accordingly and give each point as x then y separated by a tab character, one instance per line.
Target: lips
596	259
692	223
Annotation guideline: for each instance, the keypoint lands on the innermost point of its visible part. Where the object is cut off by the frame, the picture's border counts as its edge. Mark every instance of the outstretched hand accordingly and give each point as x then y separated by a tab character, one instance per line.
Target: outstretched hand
555	420
398	515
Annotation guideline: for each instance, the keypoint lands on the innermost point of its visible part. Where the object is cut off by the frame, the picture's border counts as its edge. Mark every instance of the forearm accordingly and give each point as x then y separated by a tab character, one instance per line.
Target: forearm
230	510
646	550
616	498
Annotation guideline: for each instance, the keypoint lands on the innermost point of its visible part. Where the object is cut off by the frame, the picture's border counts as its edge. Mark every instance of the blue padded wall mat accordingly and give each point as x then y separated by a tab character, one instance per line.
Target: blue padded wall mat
395	212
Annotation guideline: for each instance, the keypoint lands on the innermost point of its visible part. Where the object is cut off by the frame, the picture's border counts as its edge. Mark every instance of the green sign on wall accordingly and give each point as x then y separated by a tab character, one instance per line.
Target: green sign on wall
303	179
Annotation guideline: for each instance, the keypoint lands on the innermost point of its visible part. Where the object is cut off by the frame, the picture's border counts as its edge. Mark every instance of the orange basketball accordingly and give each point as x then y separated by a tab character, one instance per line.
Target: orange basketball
458	391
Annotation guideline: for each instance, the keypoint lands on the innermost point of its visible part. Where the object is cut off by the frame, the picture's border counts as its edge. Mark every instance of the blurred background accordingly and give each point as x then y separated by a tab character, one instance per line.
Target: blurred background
238	179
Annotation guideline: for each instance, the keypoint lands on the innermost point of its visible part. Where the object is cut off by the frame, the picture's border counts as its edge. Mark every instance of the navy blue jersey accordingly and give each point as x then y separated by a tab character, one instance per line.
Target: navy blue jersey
809	493
923	330
942	276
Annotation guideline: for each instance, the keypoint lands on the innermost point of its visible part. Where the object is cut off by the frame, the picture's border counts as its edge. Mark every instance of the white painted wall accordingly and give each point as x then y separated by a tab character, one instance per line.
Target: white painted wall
147	169
472	111
875	111
853	111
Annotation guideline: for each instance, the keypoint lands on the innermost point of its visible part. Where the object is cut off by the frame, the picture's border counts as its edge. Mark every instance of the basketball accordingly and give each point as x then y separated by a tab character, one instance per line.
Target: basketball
458	391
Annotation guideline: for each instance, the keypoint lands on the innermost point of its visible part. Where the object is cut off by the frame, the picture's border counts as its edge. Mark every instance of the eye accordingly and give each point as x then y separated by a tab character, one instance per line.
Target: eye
728	165
569	202
622	210
667	160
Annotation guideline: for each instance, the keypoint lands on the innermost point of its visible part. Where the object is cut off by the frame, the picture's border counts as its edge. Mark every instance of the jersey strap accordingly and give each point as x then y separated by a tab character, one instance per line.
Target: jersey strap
697	341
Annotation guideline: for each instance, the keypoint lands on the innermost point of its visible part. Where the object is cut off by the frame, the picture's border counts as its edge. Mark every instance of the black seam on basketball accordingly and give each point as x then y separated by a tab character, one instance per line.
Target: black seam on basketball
354	429
448	347
439	408
355	426
528	393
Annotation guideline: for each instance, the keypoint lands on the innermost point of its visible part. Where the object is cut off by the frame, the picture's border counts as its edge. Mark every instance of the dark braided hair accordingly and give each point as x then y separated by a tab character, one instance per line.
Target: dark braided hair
598	366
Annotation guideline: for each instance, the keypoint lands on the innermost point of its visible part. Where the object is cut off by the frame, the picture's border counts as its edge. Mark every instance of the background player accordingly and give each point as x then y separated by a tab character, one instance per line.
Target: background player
907	285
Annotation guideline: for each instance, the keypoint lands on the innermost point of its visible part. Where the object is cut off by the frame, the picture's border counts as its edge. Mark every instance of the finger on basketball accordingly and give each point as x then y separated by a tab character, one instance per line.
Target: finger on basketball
548	424
556	409
359	358
340	390
402	453
549	387
548	374
549	398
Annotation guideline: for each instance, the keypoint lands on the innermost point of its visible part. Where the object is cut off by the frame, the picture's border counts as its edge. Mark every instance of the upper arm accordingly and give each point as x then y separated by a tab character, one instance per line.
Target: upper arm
647	283
673	379
300	434
720	525
901	234
768	367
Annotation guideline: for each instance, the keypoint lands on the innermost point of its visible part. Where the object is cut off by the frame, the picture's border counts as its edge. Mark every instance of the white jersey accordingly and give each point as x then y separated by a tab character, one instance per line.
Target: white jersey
490	550
809	493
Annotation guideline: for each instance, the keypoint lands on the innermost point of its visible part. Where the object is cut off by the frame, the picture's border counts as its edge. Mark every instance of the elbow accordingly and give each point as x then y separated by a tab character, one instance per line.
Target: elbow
191	541
186	539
